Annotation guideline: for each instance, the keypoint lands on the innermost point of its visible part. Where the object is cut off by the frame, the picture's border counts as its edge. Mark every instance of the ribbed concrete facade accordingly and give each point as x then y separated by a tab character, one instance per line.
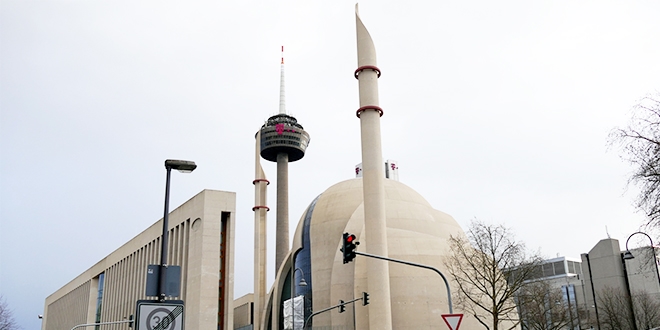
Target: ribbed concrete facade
201	241
71	308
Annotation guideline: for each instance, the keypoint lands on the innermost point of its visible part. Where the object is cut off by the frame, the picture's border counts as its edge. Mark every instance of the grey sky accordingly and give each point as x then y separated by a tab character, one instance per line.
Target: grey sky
494	110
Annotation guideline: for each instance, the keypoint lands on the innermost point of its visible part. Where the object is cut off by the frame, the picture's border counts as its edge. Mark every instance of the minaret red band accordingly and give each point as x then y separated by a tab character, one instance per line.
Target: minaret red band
261	180
369	107
365	67
261	207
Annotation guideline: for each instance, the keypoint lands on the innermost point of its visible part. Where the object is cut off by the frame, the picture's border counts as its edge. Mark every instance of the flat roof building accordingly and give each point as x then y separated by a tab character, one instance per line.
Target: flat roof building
201	242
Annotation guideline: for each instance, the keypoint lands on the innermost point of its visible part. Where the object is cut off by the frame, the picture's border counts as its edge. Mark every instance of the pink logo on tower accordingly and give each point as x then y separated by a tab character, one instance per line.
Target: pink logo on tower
280	129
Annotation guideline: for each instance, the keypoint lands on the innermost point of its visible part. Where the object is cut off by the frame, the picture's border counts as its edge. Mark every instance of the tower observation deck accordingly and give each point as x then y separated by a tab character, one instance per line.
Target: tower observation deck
281	134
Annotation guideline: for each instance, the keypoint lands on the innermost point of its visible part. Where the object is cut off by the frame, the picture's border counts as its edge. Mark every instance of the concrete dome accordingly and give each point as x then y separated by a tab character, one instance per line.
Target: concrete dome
416	232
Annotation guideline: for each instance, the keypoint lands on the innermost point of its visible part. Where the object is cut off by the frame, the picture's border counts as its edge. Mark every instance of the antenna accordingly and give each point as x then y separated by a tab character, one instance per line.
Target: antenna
607	232
282	105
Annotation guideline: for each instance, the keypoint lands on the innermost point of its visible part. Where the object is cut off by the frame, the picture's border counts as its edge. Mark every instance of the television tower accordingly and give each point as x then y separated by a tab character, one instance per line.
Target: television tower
283	140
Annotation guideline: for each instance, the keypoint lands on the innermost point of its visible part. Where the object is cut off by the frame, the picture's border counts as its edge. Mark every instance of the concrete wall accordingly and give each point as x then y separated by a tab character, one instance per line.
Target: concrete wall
603	267
70	309
243	308
643	271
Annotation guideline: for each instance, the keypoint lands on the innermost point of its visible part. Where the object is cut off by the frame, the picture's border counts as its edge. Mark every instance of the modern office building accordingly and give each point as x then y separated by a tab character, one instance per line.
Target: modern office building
201	242
563	276
585	284
606	271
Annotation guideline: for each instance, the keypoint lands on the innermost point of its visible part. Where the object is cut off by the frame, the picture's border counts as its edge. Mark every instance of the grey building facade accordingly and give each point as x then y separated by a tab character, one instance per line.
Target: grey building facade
607	273
599	288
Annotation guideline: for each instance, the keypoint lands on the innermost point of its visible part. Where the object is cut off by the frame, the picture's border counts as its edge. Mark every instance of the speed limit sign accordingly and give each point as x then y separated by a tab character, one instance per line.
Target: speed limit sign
152	315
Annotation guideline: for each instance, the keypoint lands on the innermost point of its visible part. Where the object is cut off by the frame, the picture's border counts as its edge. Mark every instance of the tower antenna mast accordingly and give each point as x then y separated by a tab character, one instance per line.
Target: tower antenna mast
282	103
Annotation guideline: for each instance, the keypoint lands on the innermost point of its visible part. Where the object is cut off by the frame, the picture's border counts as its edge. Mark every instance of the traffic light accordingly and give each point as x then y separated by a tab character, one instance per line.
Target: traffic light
365	299
348	247
342	308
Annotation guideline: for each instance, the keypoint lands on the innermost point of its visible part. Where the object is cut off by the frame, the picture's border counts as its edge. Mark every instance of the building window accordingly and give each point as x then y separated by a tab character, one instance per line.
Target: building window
547	270
99	300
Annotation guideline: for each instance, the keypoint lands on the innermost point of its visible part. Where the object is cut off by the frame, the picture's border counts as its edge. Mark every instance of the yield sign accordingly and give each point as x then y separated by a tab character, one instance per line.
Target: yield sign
453	320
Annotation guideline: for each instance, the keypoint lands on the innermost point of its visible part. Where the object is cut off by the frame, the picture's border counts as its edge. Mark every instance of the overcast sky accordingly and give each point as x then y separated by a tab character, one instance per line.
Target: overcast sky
494	110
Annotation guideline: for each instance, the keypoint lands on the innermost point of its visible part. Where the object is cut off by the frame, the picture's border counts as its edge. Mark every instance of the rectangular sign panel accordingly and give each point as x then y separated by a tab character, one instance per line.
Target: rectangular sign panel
172	279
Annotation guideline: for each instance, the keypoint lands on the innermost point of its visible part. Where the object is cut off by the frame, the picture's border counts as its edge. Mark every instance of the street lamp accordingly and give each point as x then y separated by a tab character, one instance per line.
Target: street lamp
628	255
183	166
302	283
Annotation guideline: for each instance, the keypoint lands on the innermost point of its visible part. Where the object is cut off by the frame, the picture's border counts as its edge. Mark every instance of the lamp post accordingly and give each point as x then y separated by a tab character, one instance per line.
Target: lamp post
183	166
628	255
302	283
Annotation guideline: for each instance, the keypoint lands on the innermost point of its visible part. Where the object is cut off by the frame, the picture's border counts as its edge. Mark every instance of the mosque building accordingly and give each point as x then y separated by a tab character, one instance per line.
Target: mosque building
388	218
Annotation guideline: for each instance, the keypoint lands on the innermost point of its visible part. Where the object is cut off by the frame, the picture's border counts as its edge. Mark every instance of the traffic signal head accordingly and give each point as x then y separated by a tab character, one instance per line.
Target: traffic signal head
365	299
342	307
348	247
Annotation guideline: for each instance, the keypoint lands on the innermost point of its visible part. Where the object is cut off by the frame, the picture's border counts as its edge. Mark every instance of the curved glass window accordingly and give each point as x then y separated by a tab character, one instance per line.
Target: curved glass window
303	260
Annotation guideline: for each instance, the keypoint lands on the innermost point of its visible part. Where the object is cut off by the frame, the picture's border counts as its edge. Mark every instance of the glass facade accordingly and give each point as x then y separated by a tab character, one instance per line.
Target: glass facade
303	260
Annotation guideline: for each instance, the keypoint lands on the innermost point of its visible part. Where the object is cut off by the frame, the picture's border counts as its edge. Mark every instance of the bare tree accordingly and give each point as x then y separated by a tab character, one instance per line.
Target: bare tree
647	310
614	309
640	146
489	267
542	307
6	317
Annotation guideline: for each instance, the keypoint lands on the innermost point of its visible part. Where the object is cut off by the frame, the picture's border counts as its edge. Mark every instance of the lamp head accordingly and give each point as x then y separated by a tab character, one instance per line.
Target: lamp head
628	255
302	282
183	166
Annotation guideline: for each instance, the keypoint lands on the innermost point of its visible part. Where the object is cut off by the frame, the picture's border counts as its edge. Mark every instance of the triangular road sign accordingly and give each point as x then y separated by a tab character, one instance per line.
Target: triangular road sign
453	320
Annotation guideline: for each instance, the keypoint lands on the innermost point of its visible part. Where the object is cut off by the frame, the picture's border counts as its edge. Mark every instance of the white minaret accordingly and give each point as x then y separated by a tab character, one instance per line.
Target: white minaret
373	174
260	228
